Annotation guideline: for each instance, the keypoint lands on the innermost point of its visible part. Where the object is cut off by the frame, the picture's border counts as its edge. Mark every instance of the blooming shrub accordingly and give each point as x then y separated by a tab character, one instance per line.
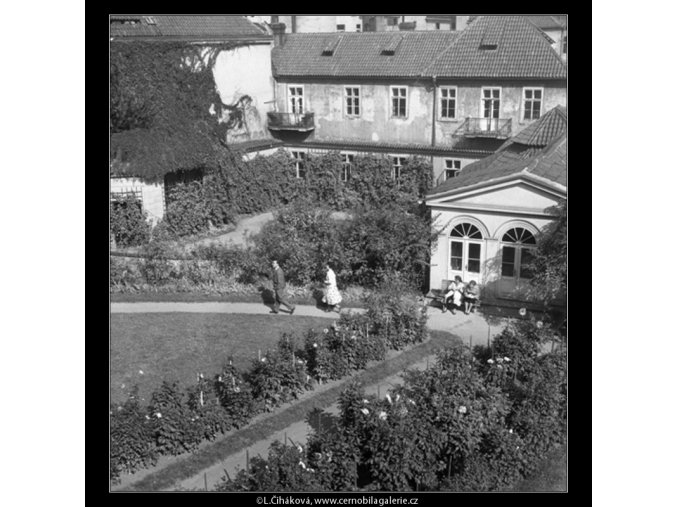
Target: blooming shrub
461	425
131	437
206	409
284	470
277	376
173	430
235	396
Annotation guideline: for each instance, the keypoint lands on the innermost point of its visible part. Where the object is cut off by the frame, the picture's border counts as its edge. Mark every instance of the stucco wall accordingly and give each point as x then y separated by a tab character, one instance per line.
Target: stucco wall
469	103
326	100
152	195
247	71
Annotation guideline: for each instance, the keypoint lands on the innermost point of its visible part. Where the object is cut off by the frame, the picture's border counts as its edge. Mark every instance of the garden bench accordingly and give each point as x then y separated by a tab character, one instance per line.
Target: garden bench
437	295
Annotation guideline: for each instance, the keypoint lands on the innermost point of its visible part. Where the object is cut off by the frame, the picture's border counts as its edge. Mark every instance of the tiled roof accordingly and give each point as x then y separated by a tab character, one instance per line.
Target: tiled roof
256	144
521	51
186	27
514	157
359	54
545	22
552	164
541	132
380	147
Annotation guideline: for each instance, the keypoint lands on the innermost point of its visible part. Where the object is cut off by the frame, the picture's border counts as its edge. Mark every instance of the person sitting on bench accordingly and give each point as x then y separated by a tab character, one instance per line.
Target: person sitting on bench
455	292
470	296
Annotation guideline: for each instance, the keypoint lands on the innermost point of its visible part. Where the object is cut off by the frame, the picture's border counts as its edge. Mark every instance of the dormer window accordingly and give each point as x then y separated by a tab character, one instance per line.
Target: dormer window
488	47
330	48
389	50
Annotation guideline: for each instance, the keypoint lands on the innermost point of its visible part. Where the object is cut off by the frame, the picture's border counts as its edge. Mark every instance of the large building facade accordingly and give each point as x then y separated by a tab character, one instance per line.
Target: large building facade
453	96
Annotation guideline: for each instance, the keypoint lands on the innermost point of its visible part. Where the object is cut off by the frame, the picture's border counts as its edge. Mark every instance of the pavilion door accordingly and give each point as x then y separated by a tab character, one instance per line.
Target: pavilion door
465	259
515	276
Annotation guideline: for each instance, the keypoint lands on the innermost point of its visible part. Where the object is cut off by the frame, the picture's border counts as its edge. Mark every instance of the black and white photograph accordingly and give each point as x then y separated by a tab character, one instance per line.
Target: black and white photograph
338	254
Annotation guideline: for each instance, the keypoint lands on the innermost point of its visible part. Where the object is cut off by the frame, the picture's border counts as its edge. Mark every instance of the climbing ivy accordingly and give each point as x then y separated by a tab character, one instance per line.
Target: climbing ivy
165	110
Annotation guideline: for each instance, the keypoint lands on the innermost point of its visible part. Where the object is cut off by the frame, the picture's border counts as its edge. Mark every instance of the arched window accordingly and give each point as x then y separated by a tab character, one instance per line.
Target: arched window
466	230
518	244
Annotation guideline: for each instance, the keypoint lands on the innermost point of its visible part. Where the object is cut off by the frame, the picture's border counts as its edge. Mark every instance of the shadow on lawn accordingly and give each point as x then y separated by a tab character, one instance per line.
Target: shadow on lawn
321	421
267	296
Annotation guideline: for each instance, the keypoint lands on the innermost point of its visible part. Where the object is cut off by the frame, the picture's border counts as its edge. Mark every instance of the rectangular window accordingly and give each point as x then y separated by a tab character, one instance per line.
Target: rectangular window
300	163
398	162
564	45
453	167
352	98
398	96
533	98
340	28
347	165
392	21
491	102
437	26
295	99
448	102
358	27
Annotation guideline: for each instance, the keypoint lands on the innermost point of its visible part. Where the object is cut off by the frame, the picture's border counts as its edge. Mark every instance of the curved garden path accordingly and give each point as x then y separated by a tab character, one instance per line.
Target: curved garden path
470	329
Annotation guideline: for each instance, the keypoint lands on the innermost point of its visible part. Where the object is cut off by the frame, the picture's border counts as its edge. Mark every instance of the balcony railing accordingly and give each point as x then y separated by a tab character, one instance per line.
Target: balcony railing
498	128
302	122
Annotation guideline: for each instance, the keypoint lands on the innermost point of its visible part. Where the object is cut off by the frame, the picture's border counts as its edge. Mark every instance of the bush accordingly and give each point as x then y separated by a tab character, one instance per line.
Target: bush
131	438
235	396
396	314
361	250
468	423
187	210
285	470
156	268
128	222
207	412
173	425
278	376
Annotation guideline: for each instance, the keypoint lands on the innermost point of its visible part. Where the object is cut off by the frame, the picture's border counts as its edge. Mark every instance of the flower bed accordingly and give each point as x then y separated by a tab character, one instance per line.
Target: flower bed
177	420
475	421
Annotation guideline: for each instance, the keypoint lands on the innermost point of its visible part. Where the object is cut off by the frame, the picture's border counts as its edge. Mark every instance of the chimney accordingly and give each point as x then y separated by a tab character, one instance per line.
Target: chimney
279	34
408	25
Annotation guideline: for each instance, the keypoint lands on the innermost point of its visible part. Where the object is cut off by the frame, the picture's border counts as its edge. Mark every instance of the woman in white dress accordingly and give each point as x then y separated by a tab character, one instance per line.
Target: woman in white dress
332	297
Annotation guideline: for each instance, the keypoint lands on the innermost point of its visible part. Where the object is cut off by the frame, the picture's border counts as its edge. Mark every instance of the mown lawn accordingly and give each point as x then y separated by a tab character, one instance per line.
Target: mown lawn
177	346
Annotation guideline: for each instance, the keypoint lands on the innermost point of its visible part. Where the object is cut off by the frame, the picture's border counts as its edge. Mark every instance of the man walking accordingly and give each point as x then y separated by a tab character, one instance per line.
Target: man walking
279	286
